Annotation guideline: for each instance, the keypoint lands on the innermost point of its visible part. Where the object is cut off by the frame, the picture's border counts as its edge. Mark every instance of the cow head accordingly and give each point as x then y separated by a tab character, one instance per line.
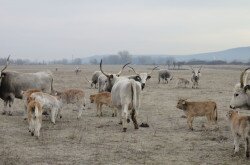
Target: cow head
231	113
2	73
143	77
92	98
111	78
181	104
196	73
240	97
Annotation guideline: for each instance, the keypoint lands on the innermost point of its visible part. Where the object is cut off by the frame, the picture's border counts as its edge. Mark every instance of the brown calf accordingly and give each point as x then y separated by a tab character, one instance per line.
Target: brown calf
240	127
34	117
102	98
194	109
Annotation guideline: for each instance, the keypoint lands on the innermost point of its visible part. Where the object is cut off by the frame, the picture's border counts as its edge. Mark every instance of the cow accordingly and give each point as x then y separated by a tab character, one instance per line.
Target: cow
196	74
77	70
165	75
49	103
182	82
34	117
72	96
125	95
102	82
194	109
240	127
102	98
94	79
141	77
241	96
12	83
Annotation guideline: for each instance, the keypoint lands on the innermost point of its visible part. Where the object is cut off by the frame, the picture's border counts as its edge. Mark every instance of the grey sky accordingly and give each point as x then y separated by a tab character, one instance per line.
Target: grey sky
55	29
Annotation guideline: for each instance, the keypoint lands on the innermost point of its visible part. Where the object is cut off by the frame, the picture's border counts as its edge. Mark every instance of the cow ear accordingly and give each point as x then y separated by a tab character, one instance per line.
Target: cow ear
148	77
247	87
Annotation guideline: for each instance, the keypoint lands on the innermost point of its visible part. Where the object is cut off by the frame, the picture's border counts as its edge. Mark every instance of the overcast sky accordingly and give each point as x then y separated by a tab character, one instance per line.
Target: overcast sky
55	29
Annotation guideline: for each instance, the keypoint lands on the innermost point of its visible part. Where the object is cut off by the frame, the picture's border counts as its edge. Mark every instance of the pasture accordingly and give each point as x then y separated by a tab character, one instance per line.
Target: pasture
94	140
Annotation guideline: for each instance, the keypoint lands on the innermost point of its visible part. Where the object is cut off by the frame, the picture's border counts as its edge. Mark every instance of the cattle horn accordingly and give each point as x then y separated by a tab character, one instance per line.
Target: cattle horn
133	70
87	79
153	69
122	69
191	68
242	80
7	63
102	70
200	68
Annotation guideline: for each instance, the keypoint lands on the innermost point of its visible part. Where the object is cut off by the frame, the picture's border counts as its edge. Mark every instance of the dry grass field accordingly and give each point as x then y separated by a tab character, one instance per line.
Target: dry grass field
94	140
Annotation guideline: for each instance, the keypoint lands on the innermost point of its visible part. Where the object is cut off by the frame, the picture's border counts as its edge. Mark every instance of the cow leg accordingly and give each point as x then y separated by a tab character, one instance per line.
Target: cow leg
247	147
133	116
25	112
236	144
4	107
31	127
10	105
53	115
125	117
37	128
100	109
97	109
190	121
81	108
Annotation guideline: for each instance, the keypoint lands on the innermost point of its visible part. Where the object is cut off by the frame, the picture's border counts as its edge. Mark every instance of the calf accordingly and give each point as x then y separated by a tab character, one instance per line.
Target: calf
48	103
194	109
240	127
100	99
73	96
34	117
182	82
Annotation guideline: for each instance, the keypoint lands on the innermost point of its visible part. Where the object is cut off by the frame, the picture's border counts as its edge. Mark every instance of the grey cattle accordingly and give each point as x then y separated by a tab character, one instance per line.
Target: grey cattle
196	74
241	96
165	75
12	83
94	79
182	82
125	95
102	81
141	77
77	70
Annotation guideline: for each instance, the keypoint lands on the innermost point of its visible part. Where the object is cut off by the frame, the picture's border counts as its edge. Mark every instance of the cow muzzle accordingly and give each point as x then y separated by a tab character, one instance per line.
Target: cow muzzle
142	86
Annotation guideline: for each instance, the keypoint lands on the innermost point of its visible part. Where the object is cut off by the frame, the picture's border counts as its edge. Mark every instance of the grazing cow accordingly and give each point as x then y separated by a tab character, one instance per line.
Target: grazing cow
12	83
125	96
182	82
241	97
102	98
26	97
77	70
34	117
102	81
94	79
240	127
141	77
194	109
196	74
165	75
49	104
73	96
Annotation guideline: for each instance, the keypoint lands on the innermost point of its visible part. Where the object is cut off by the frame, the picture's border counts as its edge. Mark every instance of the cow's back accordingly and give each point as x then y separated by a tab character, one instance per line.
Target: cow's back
201	108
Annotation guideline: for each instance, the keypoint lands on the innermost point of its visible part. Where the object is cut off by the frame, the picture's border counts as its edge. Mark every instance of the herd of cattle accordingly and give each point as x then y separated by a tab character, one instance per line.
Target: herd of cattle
121	93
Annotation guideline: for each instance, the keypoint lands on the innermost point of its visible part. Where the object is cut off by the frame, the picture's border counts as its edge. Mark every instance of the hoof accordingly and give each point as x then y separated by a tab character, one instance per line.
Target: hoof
191	129
10	114
136	127
3	113
124	130
144	125
120	123
32	133
113	115
128	120
60	116
247	154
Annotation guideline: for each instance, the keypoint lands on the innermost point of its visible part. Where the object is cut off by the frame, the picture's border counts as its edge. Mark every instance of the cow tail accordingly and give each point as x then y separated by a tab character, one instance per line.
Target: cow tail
133	89
51	87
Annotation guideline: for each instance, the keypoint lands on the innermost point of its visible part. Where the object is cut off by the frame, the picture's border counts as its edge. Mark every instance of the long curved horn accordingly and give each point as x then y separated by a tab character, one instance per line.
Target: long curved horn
245	76
133	70
200	68
122	69
102	70
152	70
87	79
7	63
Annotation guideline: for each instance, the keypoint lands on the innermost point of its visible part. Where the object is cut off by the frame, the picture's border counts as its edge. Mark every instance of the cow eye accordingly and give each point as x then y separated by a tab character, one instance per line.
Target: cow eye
236	94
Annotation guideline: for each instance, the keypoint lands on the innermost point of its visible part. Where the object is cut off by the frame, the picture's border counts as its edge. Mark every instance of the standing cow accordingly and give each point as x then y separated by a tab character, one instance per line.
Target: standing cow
94	79
165	75
141	77
241	97
12	83
196	74
125	96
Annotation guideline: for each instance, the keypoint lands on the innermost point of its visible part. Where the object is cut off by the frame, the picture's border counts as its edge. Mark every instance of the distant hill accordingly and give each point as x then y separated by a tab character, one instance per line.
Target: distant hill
241	54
